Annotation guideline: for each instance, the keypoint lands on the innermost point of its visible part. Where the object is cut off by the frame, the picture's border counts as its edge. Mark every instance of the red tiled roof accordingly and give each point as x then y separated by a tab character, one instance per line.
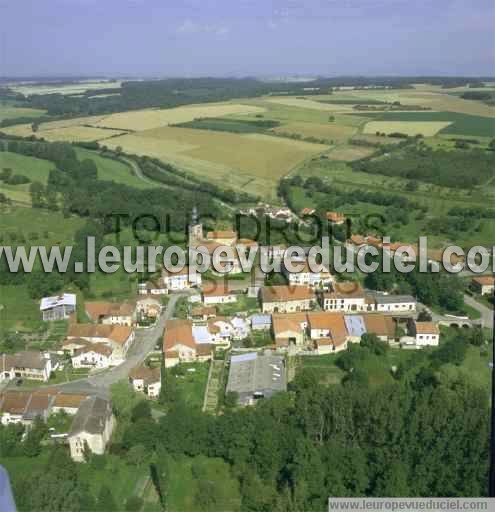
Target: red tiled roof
286	293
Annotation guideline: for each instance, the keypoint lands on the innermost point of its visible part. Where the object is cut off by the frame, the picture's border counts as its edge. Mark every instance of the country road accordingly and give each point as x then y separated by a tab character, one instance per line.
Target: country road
143	344
485	311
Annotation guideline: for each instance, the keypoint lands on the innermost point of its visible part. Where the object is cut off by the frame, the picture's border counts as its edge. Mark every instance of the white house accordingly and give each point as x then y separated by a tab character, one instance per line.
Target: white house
181	279
218	294
426	333
59	307
111	313
93	355
305	276
28	364
385	303
146	380
484	285
91	428
179	344
345	297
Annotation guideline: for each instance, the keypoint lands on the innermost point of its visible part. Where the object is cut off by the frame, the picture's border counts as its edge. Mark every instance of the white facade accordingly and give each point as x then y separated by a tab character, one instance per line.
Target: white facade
91	359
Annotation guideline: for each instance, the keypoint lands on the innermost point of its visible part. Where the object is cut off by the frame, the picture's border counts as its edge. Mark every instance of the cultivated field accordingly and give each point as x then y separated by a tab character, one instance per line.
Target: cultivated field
254	161
139	120
328	131
348	152
426	128
308	103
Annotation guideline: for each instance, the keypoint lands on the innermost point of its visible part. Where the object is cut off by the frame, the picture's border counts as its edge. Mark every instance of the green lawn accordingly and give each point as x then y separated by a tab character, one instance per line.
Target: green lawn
191	385
112	170
19	225
190	478
35	169
19	310
11	112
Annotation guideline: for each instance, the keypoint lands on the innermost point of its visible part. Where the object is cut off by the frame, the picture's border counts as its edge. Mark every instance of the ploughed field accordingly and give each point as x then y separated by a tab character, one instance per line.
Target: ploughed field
250	144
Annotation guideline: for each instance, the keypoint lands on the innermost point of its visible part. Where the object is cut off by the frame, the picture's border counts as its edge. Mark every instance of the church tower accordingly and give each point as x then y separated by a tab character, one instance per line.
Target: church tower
195	228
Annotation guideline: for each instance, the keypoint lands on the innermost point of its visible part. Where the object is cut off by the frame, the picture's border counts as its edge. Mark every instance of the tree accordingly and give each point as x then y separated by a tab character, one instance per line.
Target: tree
140	411
133	504
37	192
477	339
231	399
106	500
136	455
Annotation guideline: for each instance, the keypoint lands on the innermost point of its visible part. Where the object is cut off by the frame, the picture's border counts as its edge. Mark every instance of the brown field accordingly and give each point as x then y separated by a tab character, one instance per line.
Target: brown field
139	120
251	162
329	131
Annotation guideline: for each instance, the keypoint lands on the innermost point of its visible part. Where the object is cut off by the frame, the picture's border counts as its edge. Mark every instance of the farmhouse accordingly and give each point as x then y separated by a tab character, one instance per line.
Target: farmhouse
181	279
289	329
152	288
307	277
59	307
381	325
222	237
13	406
425	333
385	303
484	285
118	337
23	406
286	299
92	355
92	427
253	376
146	380
26	365
203	313
346	296
111	313
218	294
307	211
68	403
179	344
149	307
329	331
336	218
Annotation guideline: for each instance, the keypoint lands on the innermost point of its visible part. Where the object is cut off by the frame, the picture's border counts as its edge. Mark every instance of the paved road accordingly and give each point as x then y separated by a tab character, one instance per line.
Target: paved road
143	344
486	312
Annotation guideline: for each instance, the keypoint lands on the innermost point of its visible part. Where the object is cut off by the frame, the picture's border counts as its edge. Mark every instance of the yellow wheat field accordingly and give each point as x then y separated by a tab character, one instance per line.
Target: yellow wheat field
426	128
252	162
139	120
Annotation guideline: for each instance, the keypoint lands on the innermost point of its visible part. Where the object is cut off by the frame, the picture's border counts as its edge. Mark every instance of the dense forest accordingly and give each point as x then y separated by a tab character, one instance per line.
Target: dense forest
422	163
424	433
175	92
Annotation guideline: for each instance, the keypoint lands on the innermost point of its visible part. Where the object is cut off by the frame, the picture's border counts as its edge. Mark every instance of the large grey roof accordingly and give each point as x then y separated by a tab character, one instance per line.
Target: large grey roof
251	373
91	416
393	299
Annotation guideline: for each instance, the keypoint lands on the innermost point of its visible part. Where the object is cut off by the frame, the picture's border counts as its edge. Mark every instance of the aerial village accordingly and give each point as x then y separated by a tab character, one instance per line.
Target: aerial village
247	331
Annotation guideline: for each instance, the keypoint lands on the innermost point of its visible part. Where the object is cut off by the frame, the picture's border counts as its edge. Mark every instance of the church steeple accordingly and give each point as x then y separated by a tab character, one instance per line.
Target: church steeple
195	228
